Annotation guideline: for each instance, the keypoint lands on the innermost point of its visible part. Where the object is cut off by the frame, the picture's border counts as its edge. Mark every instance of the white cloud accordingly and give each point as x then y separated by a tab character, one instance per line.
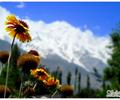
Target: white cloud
62	39
3	14
20	5
66	41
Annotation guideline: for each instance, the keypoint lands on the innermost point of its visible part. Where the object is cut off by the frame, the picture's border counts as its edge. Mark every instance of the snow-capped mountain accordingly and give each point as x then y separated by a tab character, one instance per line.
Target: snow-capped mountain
72	44
61	44
60	38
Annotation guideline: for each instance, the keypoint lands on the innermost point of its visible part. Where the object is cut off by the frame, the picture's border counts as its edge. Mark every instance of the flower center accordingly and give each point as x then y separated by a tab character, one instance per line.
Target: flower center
40	73
19	29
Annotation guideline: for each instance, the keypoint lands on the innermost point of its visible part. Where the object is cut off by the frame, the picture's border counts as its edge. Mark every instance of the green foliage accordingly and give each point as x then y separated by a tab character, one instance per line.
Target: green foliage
79	82
87	93
15	55
58	74
14	77
75	83
60	77
112	72
14	73
69	78
103	84
88	82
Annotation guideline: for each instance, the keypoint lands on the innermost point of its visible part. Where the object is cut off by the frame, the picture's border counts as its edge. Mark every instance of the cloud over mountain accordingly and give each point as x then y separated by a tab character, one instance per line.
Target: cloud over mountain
64	40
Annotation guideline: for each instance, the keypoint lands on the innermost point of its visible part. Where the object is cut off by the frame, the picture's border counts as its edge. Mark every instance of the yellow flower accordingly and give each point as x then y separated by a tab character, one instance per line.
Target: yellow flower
34	53
39	73
51	81
28	62
17	28
66	90
4	56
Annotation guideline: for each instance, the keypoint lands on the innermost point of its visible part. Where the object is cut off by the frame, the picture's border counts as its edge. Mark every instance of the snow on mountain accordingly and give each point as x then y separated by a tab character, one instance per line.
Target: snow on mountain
60	38
68	42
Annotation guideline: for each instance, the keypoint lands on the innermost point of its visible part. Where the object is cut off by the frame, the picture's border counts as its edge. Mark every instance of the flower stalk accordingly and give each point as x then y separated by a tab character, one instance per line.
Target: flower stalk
8	65
54	94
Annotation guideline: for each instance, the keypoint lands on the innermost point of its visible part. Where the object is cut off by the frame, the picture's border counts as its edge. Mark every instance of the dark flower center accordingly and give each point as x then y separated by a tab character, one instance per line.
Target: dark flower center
33	52
19	29
23	23
40	73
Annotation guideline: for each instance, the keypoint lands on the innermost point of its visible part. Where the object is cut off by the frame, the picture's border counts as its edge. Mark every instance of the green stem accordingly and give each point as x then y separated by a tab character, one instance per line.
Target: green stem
20	85
20	90
53	94
1	69
8	65
34	86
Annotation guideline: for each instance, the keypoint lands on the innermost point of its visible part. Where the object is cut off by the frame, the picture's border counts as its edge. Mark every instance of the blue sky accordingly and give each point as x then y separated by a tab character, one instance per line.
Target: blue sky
99	17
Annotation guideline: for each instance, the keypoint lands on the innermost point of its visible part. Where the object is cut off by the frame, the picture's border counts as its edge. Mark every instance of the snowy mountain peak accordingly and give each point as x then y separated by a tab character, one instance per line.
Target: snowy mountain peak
70	43
60	38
